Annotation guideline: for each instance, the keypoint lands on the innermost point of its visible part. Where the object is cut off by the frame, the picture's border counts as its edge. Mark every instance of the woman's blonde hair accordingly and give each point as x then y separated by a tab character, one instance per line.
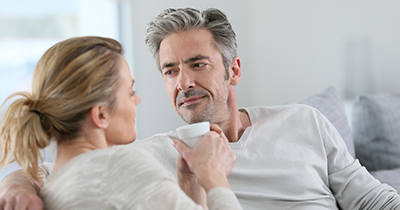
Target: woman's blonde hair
71	77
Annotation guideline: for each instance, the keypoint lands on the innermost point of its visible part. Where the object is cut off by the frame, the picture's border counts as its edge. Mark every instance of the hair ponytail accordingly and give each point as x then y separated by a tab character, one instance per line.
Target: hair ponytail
70	78
22	135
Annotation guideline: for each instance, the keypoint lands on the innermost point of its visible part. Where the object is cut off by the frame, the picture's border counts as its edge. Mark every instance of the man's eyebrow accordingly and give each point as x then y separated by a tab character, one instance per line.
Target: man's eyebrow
196	58
167	65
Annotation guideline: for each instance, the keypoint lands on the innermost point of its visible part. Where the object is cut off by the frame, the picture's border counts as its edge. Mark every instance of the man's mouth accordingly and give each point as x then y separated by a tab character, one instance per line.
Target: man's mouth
190	101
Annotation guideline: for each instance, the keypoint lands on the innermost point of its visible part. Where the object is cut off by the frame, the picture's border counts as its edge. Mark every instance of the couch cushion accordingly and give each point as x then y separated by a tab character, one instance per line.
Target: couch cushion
376	130
329	103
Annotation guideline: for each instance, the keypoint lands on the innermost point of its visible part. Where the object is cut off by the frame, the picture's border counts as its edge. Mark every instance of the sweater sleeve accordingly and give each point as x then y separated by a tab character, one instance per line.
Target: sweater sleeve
222	198
136	180
355	188
352	185
166	194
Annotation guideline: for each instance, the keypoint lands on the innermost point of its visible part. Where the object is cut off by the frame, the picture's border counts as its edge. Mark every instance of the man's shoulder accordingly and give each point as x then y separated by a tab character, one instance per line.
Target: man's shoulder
157	139
161	136
257	113
157	143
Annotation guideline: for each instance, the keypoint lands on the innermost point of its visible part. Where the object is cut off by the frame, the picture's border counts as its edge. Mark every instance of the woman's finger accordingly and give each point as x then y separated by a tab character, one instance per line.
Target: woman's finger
216	128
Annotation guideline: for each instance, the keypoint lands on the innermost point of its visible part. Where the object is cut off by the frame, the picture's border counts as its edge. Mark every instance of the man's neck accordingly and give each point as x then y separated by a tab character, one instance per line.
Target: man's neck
236	121
237	124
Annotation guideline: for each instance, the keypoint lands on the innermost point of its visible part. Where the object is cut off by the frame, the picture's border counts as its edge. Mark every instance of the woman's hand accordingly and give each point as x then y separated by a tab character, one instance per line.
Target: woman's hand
211	161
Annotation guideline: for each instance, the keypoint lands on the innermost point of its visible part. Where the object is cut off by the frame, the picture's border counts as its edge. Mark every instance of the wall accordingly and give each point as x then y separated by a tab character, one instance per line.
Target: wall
288	49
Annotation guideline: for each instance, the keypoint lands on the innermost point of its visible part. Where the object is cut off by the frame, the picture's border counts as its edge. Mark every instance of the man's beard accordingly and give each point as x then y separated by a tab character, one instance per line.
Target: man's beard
191	115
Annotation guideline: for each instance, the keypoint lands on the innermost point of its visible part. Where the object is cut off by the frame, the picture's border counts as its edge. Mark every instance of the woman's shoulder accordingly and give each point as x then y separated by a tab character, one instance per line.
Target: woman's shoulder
105	162
133	171
129	153
131	159
106	175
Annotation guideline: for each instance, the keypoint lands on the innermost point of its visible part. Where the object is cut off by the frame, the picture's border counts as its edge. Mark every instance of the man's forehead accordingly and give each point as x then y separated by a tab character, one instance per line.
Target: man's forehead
187	46
187	50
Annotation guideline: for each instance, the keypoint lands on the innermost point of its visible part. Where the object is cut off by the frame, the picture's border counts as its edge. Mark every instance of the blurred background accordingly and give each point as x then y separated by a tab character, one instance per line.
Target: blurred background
289	49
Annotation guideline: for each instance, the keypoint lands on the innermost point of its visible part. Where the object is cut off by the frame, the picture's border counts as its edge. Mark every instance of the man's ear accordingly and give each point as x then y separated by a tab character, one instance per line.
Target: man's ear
99	116
235	71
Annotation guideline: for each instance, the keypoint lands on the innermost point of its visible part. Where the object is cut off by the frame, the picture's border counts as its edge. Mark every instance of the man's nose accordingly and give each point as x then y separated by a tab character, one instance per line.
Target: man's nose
185	80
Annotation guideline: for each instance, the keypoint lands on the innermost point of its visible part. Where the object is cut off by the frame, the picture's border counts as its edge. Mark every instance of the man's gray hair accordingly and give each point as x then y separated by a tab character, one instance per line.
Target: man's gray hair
177	20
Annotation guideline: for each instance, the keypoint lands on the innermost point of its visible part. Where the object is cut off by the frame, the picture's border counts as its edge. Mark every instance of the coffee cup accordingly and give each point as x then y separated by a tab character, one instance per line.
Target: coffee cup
191	134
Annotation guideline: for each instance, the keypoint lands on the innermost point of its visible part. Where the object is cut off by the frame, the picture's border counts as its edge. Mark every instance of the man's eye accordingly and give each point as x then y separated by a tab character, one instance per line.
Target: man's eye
168	72
199	65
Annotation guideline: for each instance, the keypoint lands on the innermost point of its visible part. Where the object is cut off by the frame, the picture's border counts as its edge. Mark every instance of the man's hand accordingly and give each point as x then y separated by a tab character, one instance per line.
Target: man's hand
20	192
20	198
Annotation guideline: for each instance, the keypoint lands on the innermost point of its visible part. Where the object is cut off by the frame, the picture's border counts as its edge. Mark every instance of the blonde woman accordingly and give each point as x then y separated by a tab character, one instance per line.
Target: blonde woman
83	98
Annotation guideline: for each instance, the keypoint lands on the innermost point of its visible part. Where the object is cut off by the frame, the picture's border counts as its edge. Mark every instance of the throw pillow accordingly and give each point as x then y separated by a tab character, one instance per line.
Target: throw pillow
376	130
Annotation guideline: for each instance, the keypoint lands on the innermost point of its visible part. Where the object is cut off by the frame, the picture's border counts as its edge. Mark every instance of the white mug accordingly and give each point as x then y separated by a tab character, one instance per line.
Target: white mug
191	134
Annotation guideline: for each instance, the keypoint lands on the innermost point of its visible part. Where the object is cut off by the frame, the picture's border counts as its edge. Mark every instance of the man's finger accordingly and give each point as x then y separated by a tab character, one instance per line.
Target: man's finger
10	204
37	204
2	204
22	203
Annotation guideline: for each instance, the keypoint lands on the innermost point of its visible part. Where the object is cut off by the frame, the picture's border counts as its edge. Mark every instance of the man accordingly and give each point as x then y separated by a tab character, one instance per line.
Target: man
288	157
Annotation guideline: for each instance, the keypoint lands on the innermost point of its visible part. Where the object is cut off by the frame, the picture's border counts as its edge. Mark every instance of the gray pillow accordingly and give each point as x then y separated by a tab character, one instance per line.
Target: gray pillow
329	103
376	130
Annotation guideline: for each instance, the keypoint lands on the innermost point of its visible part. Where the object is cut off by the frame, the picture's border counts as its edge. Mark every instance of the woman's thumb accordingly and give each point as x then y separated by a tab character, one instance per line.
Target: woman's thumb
180	146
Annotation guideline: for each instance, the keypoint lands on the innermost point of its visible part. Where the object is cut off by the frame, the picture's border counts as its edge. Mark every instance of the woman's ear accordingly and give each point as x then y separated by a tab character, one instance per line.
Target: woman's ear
235	71
99	116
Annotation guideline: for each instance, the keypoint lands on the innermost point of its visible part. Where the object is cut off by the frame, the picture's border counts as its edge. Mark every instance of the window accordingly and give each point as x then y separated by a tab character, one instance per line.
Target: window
28	28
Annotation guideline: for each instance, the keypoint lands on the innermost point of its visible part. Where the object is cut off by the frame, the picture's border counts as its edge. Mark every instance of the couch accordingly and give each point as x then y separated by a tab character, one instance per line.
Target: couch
374	134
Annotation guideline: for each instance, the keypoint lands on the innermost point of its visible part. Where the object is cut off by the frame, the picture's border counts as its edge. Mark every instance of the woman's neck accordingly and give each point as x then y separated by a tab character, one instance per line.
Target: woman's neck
68	149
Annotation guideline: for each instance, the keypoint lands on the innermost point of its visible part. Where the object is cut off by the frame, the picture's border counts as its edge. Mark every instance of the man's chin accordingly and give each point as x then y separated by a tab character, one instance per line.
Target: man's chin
192	117
194	113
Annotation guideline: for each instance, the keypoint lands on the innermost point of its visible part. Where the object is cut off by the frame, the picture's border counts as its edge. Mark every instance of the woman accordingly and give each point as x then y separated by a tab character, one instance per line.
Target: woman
83	98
